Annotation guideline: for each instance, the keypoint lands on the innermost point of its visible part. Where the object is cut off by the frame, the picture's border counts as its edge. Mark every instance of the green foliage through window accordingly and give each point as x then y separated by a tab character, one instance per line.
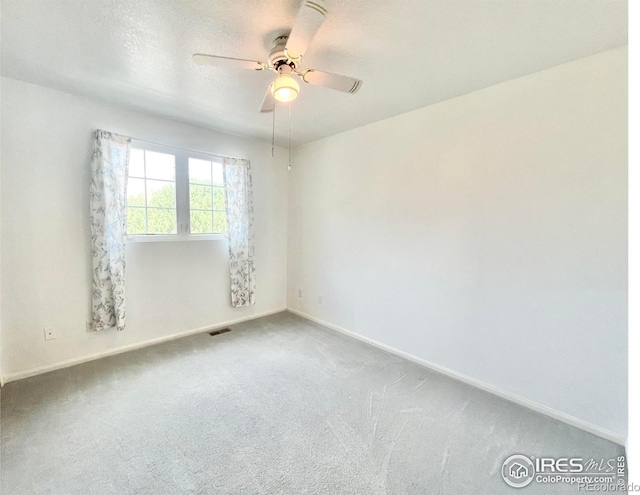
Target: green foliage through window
154	219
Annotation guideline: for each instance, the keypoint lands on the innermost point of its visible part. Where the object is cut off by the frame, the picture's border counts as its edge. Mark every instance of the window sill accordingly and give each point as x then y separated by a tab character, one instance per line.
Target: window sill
175	237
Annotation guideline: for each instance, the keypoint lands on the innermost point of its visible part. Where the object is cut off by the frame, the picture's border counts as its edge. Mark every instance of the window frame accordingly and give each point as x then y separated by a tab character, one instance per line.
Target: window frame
183	231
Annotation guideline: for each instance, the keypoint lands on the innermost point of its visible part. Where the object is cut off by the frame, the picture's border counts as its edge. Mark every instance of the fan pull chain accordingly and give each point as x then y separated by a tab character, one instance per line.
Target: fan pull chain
289	168
273	129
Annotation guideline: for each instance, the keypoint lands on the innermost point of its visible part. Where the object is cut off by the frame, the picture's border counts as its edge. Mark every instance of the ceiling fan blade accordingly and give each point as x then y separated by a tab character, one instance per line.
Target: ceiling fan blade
269	102
228	62
333	81
310	17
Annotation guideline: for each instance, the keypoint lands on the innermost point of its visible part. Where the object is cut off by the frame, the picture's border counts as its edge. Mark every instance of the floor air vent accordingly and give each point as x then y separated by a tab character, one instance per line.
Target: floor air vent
218	332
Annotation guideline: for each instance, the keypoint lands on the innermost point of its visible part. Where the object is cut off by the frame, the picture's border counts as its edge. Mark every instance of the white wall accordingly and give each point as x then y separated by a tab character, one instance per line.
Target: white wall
485	234
47	139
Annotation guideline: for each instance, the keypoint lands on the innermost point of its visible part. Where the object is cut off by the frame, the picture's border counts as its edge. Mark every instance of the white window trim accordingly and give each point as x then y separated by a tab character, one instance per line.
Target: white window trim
182	195
175	237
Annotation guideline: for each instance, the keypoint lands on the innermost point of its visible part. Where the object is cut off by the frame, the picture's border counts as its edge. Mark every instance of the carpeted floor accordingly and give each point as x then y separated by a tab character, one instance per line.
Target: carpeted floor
277	406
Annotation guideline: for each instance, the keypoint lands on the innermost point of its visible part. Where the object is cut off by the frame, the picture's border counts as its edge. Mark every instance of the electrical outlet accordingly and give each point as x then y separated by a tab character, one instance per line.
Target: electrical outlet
300	293
319	299
49	333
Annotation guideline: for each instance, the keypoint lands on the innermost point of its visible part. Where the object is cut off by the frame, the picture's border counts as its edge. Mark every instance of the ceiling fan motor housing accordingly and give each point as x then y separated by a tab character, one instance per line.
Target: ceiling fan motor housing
278	56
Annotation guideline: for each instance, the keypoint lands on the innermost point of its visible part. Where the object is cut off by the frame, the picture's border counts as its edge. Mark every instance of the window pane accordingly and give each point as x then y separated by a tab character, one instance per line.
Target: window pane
136	221
160	165
135	192
160	193
199	171
218	177
219	222
218	198
161	221
200	197
136	163
201	222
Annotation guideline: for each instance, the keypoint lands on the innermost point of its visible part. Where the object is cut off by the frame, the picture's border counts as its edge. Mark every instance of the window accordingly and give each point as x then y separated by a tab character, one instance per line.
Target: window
151	193
206	197
174	194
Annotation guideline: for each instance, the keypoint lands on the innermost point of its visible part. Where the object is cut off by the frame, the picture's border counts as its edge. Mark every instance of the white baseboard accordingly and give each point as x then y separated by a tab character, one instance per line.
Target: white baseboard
11	377
534	406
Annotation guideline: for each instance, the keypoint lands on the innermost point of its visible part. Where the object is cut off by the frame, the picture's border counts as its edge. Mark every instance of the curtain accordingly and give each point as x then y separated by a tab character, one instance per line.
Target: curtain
108	202
237	180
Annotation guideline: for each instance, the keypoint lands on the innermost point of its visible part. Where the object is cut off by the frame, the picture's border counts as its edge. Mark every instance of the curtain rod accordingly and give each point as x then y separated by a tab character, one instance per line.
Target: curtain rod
183	148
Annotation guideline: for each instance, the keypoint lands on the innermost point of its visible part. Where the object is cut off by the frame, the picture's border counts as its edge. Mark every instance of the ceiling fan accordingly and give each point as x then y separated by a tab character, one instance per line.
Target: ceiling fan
285	59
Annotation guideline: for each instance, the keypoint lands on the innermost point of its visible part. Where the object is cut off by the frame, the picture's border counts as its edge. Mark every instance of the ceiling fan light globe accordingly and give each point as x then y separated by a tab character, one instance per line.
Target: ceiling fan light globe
285	94
285	88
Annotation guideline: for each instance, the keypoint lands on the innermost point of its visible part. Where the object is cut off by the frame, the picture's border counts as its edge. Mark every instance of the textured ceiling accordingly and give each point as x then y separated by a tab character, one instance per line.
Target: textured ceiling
409	53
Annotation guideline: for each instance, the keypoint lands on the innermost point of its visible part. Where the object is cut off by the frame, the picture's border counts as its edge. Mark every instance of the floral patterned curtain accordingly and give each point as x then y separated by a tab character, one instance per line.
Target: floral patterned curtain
237	178
108	201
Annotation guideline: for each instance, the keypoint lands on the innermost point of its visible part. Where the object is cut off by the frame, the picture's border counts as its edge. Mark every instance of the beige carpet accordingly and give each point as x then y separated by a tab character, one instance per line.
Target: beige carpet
276	406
